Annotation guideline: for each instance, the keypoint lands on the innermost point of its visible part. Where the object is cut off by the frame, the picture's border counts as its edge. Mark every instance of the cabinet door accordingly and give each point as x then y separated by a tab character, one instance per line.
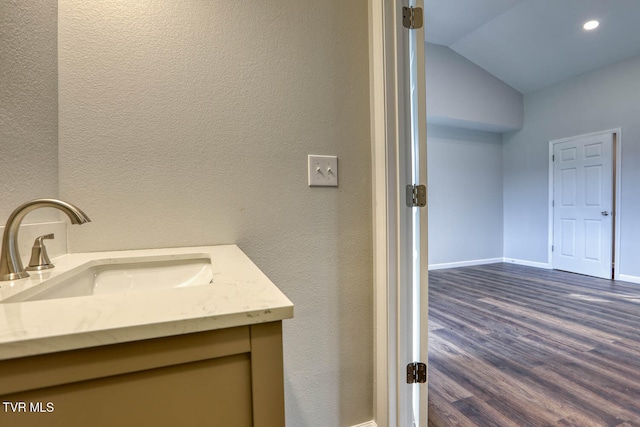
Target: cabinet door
215	392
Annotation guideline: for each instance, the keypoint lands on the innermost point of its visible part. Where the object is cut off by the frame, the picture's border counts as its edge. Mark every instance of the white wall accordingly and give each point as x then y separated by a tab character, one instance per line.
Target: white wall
28	106
465	106
600	100
189	123
465	195
461	94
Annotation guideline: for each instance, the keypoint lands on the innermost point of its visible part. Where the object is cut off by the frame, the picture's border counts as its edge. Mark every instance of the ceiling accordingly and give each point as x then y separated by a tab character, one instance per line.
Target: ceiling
531	44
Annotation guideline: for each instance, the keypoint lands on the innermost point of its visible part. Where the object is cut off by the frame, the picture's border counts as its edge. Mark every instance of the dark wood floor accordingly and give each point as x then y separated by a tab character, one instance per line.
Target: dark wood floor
518	346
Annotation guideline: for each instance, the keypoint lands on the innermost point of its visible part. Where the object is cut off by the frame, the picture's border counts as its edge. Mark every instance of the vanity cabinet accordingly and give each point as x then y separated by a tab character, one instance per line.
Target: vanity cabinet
229	377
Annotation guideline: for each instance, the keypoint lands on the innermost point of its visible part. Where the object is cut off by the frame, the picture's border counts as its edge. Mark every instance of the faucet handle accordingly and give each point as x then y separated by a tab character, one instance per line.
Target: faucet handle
39	257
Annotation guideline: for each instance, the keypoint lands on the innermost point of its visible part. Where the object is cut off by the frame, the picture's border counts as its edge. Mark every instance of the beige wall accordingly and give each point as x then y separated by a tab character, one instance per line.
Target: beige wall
188	123
28	105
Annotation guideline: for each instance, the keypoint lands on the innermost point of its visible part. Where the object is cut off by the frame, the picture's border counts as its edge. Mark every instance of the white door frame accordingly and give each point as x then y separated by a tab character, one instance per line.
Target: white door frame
387	131
381	76
617	176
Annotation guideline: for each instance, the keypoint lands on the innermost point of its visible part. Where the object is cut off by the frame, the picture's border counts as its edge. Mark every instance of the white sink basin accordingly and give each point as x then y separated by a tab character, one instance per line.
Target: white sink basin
122	275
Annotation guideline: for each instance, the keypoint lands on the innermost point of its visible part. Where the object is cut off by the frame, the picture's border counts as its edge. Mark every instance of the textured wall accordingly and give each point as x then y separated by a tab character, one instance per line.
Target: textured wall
28	105
461	94
189	123
604	99
465	194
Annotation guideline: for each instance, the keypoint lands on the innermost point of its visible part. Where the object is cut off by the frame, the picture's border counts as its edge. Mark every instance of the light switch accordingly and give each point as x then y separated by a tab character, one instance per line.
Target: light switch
323	171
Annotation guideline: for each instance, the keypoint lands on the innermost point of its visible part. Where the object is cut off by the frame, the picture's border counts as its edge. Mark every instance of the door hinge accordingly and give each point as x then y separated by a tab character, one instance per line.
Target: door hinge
553	203
412	17
553	157
416	373
552	248
416	196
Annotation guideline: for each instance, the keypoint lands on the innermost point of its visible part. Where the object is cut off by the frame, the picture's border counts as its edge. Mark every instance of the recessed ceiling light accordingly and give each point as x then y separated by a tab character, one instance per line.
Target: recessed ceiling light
591	25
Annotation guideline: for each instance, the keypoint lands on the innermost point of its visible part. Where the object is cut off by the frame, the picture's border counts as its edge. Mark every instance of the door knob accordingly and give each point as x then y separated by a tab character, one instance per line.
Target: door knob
605	213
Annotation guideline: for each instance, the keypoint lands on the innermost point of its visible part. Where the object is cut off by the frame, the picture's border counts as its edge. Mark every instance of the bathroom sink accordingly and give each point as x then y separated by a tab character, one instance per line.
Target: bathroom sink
122	275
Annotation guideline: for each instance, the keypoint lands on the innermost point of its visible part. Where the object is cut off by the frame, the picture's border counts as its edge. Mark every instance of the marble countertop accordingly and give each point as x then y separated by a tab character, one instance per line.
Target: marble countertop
239	295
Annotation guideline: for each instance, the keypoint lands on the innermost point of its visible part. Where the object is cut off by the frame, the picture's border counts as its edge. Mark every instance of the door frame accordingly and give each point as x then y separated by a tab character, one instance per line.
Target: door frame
617	179
381	90
386	84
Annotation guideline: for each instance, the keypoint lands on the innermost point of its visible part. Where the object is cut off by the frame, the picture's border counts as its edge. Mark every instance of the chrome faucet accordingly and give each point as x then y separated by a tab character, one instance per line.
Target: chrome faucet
10	262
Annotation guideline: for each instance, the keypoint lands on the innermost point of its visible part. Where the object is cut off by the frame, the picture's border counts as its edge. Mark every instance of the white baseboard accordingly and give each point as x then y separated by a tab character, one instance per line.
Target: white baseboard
545	265
465	263
627	278
367	424
528	263
509	260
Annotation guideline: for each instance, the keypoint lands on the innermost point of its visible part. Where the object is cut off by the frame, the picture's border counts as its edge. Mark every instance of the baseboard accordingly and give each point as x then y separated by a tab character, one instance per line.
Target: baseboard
627	278
528	263
545	265
367	424
464	263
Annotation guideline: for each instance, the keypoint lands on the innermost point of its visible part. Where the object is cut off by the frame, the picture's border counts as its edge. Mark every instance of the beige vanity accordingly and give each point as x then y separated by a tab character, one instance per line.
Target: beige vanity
194	355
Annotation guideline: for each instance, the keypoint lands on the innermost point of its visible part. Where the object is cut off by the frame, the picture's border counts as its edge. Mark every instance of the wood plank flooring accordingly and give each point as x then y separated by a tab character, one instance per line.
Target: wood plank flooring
518	346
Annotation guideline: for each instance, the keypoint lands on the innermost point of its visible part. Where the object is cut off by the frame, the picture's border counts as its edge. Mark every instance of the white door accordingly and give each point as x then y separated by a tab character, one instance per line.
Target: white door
399	156
583	205
413	260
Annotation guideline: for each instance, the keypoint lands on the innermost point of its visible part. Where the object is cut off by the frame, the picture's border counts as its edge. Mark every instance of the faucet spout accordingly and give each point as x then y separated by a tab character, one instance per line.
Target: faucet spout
10	262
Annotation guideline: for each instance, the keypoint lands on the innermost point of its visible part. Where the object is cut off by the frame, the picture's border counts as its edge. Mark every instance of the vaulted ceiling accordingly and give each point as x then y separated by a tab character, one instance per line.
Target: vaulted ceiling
531	44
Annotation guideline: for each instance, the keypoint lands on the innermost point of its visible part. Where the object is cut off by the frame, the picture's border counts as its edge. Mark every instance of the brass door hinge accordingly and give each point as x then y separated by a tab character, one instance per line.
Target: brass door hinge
416	196
416	373
412	17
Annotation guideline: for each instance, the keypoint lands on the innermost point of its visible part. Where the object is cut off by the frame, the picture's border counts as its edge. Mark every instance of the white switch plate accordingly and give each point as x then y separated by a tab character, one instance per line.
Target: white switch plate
323	171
